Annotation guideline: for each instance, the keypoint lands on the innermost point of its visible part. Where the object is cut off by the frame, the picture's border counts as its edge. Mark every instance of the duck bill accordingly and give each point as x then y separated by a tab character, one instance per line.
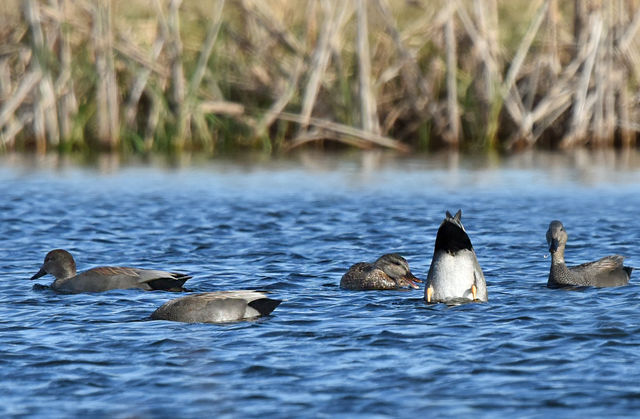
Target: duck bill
40	273
411	280
553	246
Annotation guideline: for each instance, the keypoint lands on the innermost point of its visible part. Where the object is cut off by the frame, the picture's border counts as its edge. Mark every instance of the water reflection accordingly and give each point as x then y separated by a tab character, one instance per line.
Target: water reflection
589	167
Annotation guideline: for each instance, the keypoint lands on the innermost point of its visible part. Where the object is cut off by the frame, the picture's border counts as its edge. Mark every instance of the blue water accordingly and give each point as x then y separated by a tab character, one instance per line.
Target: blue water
294	227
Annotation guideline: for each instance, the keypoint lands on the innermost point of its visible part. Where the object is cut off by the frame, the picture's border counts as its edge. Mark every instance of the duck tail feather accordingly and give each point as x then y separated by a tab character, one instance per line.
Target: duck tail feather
169	284
264	306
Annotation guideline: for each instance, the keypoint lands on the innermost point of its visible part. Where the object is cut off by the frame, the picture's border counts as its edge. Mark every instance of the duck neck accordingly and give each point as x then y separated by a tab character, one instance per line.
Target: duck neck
557	257
65	273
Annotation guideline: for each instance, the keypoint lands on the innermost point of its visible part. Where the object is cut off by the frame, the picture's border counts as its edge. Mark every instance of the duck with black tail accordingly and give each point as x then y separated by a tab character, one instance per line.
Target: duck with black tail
455	275
606	272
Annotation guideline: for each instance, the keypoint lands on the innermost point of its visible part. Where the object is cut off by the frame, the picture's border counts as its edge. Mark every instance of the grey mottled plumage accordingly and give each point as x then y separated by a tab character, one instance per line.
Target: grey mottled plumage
61	265
217	307
390	271
455	274
606	272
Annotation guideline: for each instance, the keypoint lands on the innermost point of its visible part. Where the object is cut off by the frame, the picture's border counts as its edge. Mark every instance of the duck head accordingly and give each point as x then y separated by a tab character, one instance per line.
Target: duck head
556	236
397	268
58	263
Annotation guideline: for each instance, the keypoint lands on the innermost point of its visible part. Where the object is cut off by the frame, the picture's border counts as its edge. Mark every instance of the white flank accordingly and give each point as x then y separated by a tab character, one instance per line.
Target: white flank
452	276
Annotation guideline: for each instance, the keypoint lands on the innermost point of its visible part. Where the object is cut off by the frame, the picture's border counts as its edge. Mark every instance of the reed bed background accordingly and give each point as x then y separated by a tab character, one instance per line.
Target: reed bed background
278	74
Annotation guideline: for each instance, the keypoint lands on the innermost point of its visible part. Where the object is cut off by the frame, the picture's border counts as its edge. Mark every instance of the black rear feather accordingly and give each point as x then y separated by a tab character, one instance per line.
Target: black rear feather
451	238
174	284
265	305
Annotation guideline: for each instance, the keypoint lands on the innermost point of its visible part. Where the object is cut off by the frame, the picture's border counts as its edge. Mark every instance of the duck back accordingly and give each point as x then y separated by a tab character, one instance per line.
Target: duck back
366	276
606	272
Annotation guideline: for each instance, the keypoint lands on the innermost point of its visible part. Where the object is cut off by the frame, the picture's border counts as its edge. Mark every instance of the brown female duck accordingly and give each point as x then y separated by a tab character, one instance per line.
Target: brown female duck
390	271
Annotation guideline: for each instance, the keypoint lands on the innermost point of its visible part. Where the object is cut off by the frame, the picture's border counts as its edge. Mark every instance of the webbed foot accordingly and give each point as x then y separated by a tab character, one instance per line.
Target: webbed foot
429	293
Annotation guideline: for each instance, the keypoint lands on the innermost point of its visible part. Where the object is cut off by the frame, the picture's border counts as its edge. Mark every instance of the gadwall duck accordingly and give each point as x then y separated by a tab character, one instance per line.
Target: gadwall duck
61	265
217	307
389	272
606	272
455	273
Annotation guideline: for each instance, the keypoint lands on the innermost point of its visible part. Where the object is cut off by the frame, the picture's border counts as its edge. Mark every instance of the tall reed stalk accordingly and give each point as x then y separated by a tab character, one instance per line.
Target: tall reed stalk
279	74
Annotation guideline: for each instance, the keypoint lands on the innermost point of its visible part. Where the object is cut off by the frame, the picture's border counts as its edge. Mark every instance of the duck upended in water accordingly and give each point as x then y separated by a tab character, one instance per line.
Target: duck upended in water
61	265
606	272
217	307
389	272
454	273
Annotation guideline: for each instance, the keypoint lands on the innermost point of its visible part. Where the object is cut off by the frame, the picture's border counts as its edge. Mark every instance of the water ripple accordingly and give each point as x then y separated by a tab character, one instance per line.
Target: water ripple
529	352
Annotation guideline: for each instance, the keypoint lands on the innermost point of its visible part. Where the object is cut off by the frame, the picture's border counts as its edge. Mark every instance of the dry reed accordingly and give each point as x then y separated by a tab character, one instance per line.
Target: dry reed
277	74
